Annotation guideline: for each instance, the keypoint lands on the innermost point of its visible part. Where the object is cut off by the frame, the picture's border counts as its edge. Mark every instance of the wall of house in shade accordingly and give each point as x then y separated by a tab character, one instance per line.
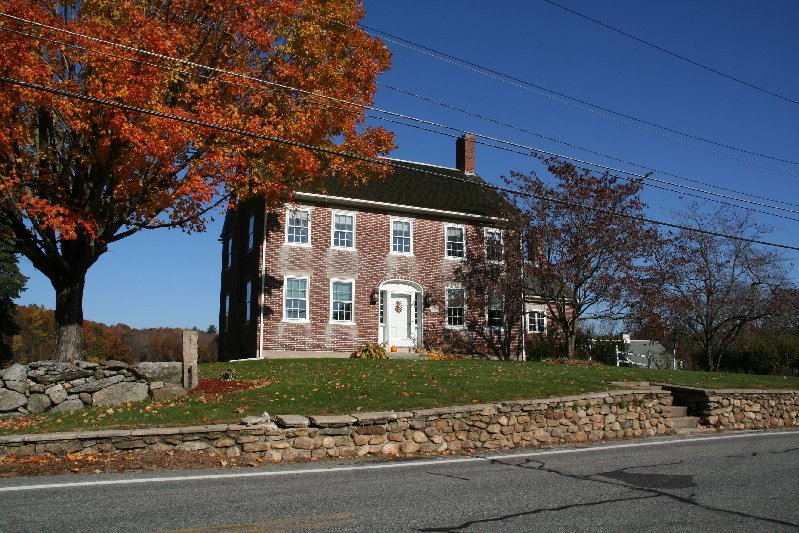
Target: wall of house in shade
370	265
242	249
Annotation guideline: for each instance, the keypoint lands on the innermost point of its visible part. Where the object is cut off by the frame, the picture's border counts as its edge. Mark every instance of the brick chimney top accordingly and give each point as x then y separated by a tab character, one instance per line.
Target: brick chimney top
464	153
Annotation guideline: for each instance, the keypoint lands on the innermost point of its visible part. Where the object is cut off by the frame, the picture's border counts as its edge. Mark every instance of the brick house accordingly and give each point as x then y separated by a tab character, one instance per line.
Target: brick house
379	263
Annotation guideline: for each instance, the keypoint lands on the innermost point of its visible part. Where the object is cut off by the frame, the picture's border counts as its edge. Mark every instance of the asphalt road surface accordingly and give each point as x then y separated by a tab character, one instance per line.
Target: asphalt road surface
726	482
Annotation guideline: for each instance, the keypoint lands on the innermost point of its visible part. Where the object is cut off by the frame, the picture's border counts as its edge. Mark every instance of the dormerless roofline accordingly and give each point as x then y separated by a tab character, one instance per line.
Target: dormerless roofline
393	207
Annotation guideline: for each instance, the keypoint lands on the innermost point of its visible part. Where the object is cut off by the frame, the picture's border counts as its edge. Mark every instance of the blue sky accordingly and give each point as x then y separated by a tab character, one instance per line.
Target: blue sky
168	278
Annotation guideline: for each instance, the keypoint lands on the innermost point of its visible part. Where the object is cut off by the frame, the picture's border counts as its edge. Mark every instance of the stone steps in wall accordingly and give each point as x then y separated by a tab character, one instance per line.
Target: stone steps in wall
681	422
678	411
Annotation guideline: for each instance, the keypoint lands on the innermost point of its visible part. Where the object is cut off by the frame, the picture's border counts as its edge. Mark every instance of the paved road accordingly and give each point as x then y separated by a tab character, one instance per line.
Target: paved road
728	482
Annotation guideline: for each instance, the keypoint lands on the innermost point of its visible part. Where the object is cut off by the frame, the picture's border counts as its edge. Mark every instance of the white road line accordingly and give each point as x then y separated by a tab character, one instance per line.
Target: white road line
383	466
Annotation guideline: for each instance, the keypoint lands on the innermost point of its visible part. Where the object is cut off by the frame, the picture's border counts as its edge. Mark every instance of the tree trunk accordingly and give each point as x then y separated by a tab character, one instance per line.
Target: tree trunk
570	342
69	319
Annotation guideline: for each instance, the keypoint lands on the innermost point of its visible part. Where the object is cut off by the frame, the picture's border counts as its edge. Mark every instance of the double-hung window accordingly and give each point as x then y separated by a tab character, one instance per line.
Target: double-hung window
229	253
251	232
495	314
226	318
493	241
456	307
342	298
455	241
344	230
298	223
295	298
536	321
248	303
401	236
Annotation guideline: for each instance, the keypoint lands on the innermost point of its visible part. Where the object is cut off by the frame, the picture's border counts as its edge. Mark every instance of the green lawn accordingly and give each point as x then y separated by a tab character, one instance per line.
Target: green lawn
335	386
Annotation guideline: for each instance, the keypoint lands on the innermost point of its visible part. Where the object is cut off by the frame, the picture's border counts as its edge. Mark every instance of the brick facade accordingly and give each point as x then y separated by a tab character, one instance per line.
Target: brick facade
411	286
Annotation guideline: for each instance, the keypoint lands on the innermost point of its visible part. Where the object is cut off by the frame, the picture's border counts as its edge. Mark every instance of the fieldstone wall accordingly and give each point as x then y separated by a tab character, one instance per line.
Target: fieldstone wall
522	423
62	387
740	408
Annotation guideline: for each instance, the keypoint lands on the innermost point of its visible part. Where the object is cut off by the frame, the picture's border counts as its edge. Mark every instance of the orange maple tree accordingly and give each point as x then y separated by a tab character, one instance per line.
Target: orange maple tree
78	176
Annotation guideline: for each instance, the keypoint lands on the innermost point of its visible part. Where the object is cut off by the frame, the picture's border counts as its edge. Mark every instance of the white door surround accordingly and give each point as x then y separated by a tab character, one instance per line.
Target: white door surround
400	327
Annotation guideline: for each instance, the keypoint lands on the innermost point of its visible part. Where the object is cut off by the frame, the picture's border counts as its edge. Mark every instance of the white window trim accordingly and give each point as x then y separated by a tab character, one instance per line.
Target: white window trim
501	244
446	305
391	235
286	230
527	320
307	318
229	253
452	258
333	229
330	308
251	232
504	316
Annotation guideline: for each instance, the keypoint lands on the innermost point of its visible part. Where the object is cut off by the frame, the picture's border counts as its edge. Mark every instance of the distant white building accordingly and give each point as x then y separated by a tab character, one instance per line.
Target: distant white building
646	353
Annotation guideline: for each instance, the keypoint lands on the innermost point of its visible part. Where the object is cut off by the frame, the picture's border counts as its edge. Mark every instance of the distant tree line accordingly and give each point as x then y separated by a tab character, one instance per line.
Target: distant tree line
35	338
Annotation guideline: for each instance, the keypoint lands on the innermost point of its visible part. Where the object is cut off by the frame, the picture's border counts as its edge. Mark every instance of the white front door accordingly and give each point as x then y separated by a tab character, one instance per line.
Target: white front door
399	320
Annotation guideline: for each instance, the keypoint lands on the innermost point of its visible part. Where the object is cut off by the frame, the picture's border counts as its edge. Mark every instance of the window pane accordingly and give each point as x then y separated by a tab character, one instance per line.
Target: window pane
493	245
296	298
343	231
298	226
495	311
401	233
342	301
455	242
456	315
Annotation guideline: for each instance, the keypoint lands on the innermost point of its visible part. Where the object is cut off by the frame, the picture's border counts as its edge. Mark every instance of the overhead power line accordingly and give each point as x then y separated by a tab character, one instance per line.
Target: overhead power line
532	149
671	53
576	146
526	85
382	162
507	77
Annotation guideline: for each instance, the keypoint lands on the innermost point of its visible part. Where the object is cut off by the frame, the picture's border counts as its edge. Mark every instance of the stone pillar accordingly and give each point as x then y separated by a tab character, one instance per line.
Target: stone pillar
191	376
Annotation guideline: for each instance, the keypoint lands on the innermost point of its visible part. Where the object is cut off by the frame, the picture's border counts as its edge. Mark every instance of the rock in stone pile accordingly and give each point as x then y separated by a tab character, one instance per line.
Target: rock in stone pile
62	387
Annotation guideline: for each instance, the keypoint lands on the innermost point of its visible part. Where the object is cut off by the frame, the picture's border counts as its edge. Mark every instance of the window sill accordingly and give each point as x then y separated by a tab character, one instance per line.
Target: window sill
342	323
455	328
342	248
298	244
453	258
296	321
406	254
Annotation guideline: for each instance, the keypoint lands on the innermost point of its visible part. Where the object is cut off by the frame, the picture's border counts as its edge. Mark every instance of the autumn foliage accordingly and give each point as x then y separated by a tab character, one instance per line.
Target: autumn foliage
78	176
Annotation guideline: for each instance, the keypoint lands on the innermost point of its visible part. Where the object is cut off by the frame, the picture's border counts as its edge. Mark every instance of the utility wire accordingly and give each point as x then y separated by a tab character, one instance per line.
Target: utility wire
673	54
537	89
382	162
399	115
576	146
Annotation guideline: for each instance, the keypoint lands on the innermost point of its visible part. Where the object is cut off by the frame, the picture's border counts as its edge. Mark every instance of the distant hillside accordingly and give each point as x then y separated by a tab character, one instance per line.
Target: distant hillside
37	337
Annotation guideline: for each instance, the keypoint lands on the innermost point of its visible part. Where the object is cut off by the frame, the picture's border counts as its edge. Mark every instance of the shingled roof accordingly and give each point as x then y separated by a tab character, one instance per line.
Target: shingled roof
455	191
425	186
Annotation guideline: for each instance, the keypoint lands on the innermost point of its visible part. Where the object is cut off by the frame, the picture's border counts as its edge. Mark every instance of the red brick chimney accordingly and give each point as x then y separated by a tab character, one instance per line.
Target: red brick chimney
464	153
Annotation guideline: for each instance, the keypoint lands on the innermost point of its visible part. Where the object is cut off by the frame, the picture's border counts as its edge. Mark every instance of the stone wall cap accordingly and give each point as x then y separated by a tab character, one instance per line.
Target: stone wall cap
575	398
104	433
43	437
12	439
375	417
292	421
633	391
435	411
335	421
729	391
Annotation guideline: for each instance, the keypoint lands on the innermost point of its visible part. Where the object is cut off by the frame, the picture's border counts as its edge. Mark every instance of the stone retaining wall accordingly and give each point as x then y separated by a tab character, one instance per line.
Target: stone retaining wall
522	423
739	408
62	387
